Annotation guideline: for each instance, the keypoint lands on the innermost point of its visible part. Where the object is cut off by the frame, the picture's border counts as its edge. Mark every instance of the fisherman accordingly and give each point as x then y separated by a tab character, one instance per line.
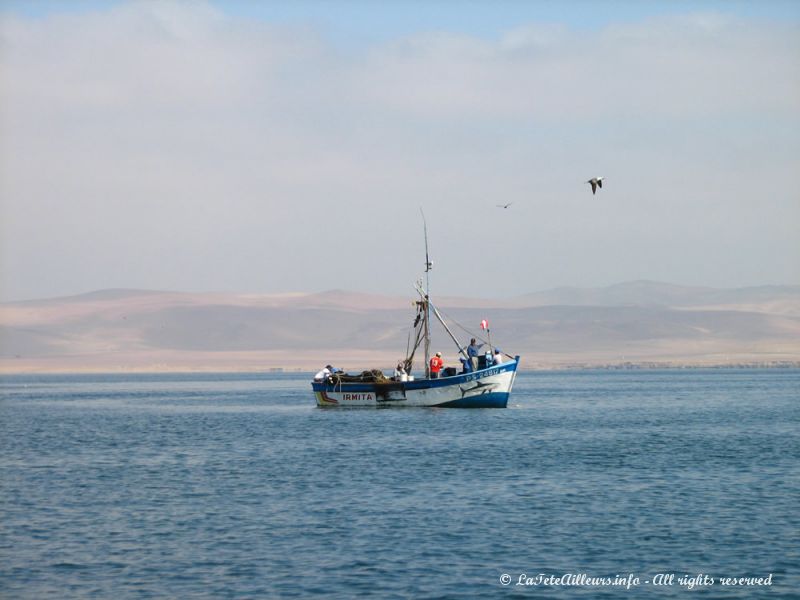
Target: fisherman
472	351
436	365
498	357
399	371
466	365
324	373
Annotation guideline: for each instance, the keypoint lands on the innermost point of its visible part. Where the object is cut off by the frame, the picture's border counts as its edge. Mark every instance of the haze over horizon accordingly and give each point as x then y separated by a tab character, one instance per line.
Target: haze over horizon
288	147
647	287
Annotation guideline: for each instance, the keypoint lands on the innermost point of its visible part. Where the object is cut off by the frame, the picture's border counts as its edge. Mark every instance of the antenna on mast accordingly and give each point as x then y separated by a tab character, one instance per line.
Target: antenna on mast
428	263
426	298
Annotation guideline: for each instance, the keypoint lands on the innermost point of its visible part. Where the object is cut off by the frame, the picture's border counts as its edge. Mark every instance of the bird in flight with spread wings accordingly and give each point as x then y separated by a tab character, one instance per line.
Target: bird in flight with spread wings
596	182
504	205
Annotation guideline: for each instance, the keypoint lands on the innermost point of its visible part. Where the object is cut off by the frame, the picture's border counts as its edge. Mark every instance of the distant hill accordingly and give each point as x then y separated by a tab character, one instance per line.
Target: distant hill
650	293
638	322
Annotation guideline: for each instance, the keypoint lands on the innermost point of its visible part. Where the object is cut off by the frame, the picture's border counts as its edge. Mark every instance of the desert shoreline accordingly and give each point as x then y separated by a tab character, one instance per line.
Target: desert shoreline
249	369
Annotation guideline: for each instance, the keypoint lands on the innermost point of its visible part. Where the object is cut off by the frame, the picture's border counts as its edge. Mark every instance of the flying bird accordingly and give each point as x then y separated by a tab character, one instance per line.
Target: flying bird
597	182
504	205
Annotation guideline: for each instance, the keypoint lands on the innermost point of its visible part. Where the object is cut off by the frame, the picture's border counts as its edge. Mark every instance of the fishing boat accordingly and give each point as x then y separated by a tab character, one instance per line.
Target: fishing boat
486	385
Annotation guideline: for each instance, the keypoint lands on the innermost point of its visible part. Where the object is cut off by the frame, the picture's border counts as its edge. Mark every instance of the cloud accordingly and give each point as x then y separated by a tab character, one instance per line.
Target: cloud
672	67
168	145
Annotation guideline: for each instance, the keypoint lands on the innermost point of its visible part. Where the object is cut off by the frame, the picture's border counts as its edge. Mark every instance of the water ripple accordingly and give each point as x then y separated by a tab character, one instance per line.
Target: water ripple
235	486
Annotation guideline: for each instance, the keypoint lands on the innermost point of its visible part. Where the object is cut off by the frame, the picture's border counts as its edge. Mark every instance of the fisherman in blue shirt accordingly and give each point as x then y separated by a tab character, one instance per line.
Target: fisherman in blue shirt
472	351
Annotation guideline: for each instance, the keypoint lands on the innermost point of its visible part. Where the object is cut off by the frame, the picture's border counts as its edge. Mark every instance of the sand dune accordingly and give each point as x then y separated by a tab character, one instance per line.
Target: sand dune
637	322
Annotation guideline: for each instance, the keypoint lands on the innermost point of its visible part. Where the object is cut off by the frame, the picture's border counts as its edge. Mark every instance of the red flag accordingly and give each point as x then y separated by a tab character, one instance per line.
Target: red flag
484	324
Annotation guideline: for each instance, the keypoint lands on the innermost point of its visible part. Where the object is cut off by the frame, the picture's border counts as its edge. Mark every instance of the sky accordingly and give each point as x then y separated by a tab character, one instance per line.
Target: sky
270	147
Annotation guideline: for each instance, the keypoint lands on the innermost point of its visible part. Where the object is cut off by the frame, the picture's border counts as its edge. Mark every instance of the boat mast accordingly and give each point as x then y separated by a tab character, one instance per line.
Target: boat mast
426	299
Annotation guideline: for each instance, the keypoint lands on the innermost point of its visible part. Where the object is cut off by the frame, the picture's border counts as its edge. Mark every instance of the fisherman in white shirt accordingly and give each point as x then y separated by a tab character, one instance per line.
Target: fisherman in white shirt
324	373
498	357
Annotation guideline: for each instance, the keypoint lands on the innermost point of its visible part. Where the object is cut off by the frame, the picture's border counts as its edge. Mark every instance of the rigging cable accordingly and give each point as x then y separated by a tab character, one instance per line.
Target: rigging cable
465	330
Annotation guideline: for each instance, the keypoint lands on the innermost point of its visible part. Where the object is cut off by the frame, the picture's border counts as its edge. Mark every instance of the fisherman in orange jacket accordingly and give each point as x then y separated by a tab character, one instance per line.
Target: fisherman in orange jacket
436	365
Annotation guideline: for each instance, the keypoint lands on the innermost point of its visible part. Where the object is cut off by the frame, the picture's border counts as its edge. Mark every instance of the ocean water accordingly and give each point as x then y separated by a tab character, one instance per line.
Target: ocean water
237	486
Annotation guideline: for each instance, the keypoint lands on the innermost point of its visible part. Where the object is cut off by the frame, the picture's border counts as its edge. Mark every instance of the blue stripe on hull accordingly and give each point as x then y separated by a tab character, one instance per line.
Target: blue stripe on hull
417	384
482	401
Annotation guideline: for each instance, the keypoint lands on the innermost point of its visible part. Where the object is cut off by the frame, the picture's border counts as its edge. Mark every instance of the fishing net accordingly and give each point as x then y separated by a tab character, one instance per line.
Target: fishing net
373	376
